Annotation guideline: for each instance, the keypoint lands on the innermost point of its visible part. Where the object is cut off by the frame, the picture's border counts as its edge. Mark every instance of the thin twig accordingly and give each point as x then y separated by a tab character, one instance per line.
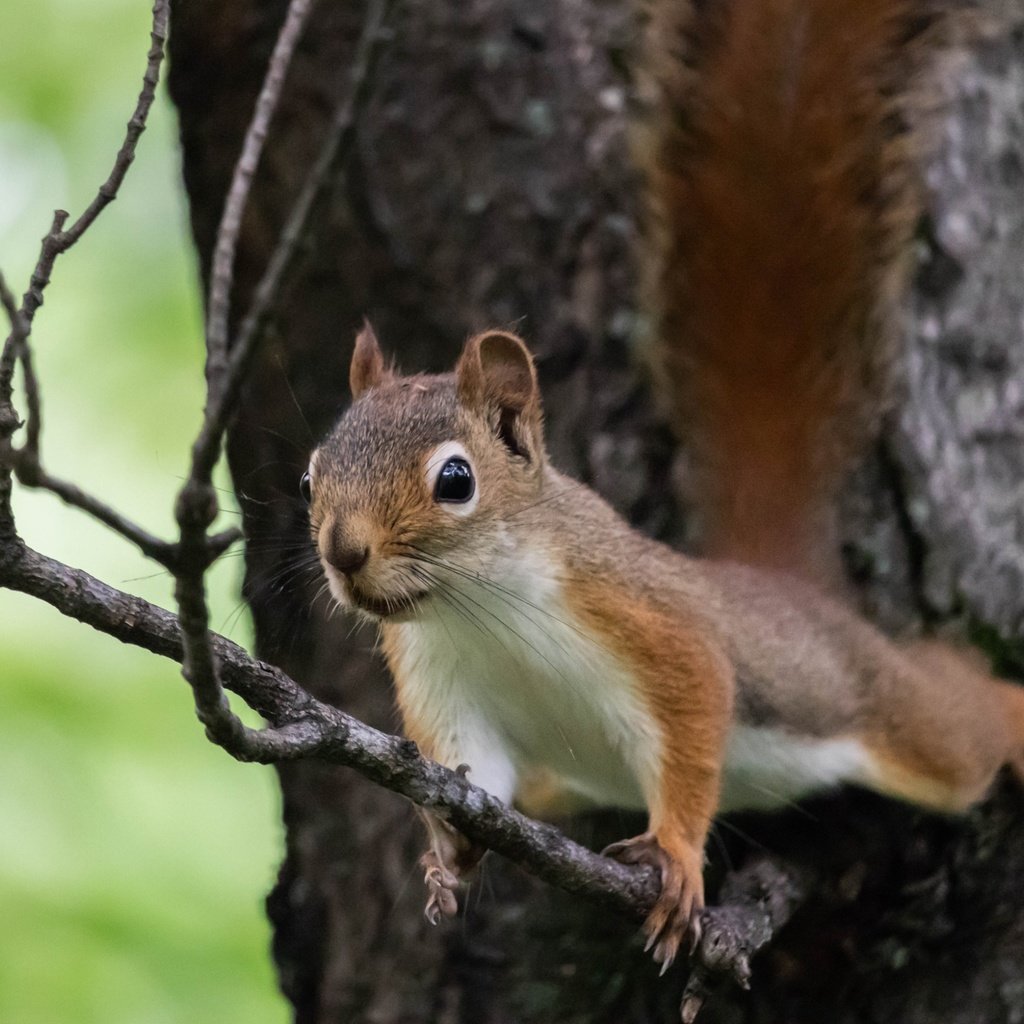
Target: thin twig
26	460
336	146
15	339
57	240
222	269
756	902
16	347
31	474
196	506
9	421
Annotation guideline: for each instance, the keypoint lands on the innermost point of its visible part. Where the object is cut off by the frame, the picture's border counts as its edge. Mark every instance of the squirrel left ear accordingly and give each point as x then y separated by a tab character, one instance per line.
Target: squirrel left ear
367	368
496	375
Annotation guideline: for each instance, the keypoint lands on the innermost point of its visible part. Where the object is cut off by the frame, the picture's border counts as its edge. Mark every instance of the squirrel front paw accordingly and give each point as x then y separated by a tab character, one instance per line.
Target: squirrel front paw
676	914
442	884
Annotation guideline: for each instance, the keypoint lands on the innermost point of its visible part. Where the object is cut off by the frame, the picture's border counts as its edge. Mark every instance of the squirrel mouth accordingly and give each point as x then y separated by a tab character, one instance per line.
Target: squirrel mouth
384	607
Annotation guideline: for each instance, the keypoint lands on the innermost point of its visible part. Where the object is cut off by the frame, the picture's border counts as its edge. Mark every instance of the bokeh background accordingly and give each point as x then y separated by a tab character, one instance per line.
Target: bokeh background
133	855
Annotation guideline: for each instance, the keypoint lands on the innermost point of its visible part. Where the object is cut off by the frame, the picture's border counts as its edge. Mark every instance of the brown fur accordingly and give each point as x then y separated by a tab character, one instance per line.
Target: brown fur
686	683
942	728
782	166
367	369
708	645
939	726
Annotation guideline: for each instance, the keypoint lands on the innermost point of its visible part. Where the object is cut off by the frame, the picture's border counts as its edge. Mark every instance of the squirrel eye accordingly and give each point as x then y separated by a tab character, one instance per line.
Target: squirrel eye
306	488
455	481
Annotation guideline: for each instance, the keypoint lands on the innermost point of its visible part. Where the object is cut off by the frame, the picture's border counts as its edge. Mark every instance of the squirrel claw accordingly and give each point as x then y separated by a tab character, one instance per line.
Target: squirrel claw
441	887
676	914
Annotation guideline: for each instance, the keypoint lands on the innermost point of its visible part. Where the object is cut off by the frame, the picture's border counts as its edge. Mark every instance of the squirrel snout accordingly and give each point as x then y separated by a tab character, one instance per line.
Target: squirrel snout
348	559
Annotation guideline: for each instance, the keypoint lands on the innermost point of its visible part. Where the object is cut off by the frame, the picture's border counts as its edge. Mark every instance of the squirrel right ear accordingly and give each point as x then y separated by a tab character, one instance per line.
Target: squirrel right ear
496	376
367	369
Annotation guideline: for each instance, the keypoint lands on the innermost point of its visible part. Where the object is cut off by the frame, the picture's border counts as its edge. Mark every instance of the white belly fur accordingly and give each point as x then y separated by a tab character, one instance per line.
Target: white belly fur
770	768
506	680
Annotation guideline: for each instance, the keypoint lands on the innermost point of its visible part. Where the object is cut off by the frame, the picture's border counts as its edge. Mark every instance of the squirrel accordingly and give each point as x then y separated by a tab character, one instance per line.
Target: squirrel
537	638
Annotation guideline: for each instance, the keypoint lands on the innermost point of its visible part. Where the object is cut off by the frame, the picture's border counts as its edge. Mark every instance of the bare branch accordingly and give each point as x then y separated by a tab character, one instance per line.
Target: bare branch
196	506
17	347
222	270
26	460
755	902
307	727
761	898
221	403
19	330
31	474
57	240
18	333
9	421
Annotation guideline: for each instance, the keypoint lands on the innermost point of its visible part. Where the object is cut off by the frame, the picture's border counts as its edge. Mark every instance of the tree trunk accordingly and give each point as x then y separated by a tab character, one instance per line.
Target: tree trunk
491	184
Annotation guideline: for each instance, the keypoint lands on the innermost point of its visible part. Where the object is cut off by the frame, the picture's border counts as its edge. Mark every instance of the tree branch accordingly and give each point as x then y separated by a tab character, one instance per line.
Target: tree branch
754	903
26	460
32	474
196	507
19	330
222	270
224	391
306	727
58	241
9	421
760	898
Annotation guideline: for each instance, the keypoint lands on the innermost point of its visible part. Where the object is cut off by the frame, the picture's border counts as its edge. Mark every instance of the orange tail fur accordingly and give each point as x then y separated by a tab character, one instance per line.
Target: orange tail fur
783	171
984	729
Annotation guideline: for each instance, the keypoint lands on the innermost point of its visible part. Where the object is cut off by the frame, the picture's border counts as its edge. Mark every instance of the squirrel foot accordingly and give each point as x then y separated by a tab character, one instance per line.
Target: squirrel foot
442	884
448	859
676	914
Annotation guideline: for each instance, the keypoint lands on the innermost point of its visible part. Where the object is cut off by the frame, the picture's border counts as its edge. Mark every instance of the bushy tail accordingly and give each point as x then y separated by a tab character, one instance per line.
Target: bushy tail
783	165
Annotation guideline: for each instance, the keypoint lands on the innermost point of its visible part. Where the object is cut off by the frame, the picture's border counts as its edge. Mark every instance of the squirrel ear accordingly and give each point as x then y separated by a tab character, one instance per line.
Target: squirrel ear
367	369
496	375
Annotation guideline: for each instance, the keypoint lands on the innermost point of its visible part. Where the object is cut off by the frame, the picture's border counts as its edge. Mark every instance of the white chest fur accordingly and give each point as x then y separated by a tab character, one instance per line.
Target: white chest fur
500	676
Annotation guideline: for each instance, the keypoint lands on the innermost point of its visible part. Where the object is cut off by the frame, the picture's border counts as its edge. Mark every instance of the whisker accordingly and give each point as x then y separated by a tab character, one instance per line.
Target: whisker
736	830
464	596
500	590
574	486
291	391
460	604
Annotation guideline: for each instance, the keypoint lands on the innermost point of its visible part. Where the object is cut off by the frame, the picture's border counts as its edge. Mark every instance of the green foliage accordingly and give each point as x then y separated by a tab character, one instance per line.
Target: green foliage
133	855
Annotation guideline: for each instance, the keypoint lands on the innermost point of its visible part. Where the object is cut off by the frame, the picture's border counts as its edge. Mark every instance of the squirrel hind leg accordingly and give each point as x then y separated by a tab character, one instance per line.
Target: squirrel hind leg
950	728
1002	730
943	789
447	860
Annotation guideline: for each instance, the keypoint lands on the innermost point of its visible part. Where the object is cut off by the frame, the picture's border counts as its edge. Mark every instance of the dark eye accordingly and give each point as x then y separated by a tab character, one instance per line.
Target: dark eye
455	481
306	488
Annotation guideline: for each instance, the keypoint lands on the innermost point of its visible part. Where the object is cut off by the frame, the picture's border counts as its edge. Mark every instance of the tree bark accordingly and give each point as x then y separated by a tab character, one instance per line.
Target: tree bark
491	184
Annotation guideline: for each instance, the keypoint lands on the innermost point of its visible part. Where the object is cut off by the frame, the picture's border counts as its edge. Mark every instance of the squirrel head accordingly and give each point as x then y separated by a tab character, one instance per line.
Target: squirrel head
422	475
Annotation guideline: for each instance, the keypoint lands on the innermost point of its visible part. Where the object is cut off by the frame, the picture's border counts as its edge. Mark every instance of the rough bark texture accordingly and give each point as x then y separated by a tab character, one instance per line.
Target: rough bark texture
491	185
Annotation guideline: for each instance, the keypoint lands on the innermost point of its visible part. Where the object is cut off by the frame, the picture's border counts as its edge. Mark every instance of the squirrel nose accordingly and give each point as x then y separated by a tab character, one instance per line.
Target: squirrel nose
346	559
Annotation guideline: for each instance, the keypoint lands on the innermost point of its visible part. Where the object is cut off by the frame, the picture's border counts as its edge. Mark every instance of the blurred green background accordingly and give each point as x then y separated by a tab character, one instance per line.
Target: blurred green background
134	856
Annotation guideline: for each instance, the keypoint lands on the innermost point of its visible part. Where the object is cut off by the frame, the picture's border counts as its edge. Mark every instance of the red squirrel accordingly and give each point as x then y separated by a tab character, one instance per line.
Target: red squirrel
533	635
